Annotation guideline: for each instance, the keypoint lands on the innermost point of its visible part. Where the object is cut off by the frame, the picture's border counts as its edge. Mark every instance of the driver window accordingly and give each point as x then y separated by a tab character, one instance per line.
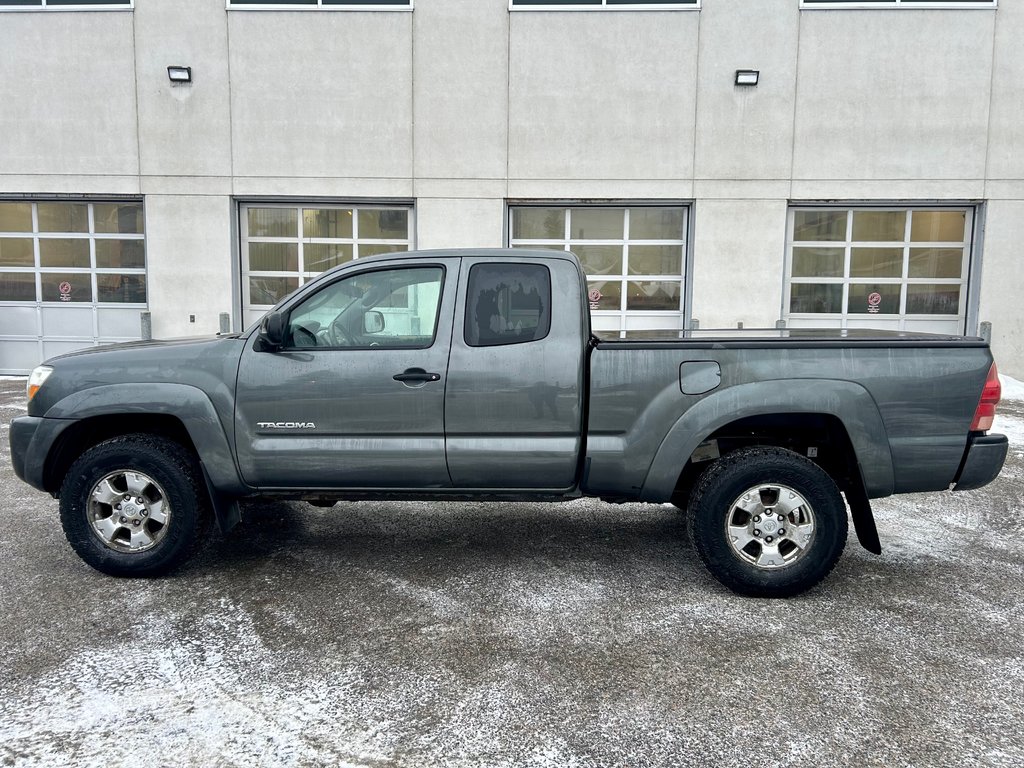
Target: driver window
394	308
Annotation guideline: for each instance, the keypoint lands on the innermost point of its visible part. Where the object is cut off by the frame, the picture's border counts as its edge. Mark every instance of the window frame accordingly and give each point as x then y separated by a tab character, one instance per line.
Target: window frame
878	5
92	237
566	243
359	273
301	274
966	281
603	5
318	5
46	8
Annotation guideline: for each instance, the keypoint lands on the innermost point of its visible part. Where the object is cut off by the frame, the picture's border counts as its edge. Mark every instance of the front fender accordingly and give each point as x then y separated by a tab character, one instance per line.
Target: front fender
188	404
851	403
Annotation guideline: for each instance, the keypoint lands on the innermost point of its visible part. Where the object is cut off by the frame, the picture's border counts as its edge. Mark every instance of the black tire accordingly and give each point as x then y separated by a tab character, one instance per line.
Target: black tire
175	485
717	502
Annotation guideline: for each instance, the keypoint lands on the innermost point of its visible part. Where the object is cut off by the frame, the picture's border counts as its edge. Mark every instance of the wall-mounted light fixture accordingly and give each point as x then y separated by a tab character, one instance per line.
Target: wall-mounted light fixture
747	76
179	74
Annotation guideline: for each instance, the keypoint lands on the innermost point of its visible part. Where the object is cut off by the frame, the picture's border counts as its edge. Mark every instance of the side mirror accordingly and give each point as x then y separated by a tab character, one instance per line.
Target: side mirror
373	321
272	331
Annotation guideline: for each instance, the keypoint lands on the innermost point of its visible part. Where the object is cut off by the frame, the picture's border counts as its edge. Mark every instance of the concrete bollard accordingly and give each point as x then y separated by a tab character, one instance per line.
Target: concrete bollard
225	322
780	324
694	324
985	331
147	326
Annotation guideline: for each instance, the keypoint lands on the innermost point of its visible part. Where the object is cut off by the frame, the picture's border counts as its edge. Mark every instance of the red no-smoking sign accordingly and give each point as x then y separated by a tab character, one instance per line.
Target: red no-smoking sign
874	300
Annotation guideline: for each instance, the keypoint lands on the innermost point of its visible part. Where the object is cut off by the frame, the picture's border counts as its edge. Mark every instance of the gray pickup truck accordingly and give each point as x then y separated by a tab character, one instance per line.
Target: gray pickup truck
474	374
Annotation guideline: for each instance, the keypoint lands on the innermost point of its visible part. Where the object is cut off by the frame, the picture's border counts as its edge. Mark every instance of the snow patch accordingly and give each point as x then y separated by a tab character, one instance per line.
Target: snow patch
1012	388
13	378
1012	427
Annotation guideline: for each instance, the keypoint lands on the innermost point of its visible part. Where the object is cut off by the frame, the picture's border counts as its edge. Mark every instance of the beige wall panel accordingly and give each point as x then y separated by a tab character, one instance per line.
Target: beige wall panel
184	129
321	94
188	255
67	94
893	94
602	95
746	132
459	223
1005	159
461	82
738	262
1002	284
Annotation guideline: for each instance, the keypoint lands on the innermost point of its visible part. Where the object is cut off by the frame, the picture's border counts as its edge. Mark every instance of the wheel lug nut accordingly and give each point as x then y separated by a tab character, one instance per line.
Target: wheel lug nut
768	539
757	532
781	518
127	497
782	531
757	518
136	522
117	506
124	519
145	513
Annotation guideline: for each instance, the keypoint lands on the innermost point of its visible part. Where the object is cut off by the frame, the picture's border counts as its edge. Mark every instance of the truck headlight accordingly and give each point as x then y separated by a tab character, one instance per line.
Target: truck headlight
36	380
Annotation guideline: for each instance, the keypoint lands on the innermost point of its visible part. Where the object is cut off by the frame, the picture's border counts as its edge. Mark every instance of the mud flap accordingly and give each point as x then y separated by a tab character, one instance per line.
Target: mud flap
863	518
225	508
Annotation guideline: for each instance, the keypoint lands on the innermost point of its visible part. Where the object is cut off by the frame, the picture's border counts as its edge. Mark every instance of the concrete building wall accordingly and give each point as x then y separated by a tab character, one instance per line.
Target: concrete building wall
464	107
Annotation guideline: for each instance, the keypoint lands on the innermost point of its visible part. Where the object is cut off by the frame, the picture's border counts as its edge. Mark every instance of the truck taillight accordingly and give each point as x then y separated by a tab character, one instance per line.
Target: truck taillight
990	395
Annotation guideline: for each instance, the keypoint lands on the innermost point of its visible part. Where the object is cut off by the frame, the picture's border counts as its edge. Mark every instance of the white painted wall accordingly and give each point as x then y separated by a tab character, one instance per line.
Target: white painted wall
463	106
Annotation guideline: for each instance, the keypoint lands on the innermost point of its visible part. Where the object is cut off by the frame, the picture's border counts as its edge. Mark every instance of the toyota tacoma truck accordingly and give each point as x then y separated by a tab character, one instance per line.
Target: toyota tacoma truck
475	374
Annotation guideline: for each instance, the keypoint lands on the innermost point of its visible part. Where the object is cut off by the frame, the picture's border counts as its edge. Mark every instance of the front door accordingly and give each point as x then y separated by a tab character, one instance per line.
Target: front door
355	398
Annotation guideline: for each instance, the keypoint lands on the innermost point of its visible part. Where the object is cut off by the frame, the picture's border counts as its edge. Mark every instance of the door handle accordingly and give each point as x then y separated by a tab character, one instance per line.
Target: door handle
416	374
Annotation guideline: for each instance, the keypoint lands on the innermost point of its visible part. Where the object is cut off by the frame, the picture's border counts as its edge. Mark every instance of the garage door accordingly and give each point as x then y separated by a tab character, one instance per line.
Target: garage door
72	275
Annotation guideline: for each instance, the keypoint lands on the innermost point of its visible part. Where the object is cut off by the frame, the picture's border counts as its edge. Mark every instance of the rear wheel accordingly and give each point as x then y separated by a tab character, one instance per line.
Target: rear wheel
767	522
134	506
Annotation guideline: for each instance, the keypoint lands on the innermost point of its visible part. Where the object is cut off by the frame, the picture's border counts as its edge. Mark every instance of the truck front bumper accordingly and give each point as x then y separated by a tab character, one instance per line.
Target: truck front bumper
31	439
983	460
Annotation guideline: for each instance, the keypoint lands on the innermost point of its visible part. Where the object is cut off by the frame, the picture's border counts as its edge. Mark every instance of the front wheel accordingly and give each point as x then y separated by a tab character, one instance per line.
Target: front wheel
134	506
767	522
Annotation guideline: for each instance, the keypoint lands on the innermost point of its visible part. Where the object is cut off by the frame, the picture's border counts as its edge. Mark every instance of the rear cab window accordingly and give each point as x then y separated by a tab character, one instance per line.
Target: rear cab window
507	304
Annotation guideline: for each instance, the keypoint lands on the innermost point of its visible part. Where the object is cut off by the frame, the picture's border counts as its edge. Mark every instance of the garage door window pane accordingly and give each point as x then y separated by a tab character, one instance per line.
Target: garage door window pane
273	257
655	259
816	298
879	226
933	299
818	262
327	222
811	226
114	254
17	286
600	259
16	252
369	249
938	226
660	295
273	222
391	224
655	224
538	224
323	256
66	287
608	294
15	217
881	296
122	289
270	290
63	217
60	252
876	262
118	218
936	262
597	223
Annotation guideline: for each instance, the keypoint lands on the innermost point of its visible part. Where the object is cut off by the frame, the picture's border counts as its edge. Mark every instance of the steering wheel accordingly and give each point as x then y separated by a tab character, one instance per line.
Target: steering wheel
336	332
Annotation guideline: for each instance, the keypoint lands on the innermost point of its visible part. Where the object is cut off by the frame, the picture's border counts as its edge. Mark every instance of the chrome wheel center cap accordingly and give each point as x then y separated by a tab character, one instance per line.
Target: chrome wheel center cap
130	509
769	526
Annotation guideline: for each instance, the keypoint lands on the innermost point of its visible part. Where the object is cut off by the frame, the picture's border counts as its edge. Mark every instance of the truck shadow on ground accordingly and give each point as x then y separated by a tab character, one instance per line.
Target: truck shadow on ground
454	535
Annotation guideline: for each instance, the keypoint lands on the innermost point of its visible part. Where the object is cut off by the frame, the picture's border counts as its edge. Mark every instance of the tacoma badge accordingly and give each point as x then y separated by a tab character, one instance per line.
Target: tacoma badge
286	425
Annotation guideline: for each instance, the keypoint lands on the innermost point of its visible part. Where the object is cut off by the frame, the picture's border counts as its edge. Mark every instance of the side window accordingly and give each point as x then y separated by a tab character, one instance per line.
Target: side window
394	308
507	304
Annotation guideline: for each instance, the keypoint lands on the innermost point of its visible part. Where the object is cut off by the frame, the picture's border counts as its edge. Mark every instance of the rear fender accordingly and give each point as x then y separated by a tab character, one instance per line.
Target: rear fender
851	403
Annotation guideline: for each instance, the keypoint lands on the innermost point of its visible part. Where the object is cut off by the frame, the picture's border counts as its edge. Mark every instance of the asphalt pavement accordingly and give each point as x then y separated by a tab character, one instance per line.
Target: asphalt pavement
479	634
